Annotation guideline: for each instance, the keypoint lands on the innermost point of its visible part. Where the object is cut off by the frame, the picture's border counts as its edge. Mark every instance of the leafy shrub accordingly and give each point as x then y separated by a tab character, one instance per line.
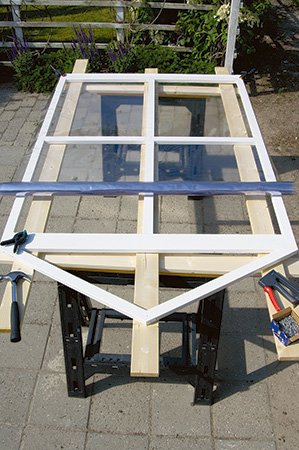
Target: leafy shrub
33	72
207	31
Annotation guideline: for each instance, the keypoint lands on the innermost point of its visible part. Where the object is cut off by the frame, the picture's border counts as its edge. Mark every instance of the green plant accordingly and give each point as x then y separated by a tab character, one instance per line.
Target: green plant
33	72
207	31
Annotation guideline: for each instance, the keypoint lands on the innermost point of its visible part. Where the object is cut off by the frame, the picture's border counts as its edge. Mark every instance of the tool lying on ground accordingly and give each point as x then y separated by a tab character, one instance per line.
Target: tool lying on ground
17	239
285	322
14	277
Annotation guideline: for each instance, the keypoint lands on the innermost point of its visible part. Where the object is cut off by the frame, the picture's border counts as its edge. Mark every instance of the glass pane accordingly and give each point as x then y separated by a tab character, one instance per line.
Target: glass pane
193	110
93	162
197	163
105	110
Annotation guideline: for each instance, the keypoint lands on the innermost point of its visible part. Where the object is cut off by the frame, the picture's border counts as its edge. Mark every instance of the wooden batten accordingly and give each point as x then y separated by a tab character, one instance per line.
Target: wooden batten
39	211
258	211
145	339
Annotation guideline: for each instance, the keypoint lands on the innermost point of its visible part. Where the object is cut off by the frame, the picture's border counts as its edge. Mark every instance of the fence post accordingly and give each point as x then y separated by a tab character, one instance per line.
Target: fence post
120	17
16	16
232	32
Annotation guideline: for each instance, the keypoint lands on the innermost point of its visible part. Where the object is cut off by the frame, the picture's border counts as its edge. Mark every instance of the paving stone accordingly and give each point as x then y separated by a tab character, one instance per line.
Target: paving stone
60	225
23	140
29	101
65	206
96	441
241	357
7	115
244	445
12	132
171	402
120	403
128	207
229	209
242	411
54	357
23	112
173	209
180	443
41	303
94	226
99	207
3	126
177	228
51	439
35	115
28	127
284	400
10	155
13	105
52	406
16	392
10	437
28	353
126	226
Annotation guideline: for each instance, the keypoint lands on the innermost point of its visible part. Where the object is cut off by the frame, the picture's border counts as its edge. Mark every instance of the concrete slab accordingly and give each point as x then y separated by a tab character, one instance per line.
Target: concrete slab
94	226
40	307
27	354
10	436
99	208
96	441
122	404
16	396
241	357
242	411
244	445
54	358
36	438
173	413
284	400
52	407
180	443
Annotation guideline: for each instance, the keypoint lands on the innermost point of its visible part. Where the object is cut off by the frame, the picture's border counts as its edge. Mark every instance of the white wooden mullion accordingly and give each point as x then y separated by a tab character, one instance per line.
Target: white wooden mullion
157	243
33	161
83	140
159	78
215	285
90	290
261	148
277	201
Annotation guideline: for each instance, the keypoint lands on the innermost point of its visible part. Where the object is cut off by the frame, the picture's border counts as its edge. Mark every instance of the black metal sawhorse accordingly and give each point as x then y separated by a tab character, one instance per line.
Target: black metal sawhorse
76	311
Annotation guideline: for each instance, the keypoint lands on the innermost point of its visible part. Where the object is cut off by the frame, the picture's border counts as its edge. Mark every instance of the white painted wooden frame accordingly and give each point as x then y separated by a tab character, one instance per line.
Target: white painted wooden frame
273	247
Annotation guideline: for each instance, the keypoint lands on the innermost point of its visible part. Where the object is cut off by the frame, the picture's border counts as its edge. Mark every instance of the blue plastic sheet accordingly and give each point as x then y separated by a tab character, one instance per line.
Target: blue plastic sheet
158	188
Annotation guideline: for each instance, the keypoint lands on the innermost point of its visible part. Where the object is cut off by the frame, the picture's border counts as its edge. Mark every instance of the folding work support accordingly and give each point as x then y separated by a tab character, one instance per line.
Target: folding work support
71	319
76	311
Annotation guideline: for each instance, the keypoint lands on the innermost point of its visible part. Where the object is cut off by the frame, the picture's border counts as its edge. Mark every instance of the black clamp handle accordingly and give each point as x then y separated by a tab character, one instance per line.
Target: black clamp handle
17	239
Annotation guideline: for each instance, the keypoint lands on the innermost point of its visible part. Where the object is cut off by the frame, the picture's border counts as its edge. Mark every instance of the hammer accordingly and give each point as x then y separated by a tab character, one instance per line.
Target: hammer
14	277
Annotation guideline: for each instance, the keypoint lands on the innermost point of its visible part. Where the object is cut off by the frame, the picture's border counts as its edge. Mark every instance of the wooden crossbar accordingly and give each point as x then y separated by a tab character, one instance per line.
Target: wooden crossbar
40	208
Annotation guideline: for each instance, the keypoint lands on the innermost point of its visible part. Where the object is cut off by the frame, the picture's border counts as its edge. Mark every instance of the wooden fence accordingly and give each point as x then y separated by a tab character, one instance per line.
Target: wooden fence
120	24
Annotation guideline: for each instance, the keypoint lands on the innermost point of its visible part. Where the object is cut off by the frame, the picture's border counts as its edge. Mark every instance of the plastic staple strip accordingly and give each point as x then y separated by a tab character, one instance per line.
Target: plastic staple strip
157	187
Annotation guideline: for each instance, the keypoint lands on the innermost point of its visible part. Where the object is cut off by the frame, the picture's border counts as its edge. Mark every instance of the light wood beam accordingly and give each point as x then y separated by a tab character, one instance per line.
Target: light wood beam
145	339
40	207
258	210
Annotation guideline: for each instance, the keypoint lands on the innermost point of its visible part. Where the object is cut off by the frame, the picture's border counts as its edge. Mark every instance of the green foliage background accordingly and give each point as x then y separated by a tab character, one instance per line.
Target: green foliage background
204	32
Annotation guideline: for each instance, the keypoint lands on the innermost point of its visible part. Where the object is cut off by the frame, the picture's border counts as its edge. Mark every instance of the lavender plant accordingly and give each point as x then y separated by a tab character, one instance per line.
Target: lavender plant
121	57
84	46
18	49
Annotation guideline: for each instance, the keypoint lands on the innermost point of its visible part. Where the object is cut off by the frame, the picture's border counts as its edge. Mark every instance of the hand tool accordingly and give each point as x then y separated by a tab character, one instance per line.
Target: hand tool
285	323
14	277
275	280
17	239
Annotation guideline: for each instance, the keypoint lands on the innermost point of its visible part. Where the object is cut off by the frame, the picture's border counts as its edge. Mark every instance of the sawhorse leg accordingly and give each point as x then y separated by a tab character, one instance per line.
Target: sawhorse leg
71	319
208	325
